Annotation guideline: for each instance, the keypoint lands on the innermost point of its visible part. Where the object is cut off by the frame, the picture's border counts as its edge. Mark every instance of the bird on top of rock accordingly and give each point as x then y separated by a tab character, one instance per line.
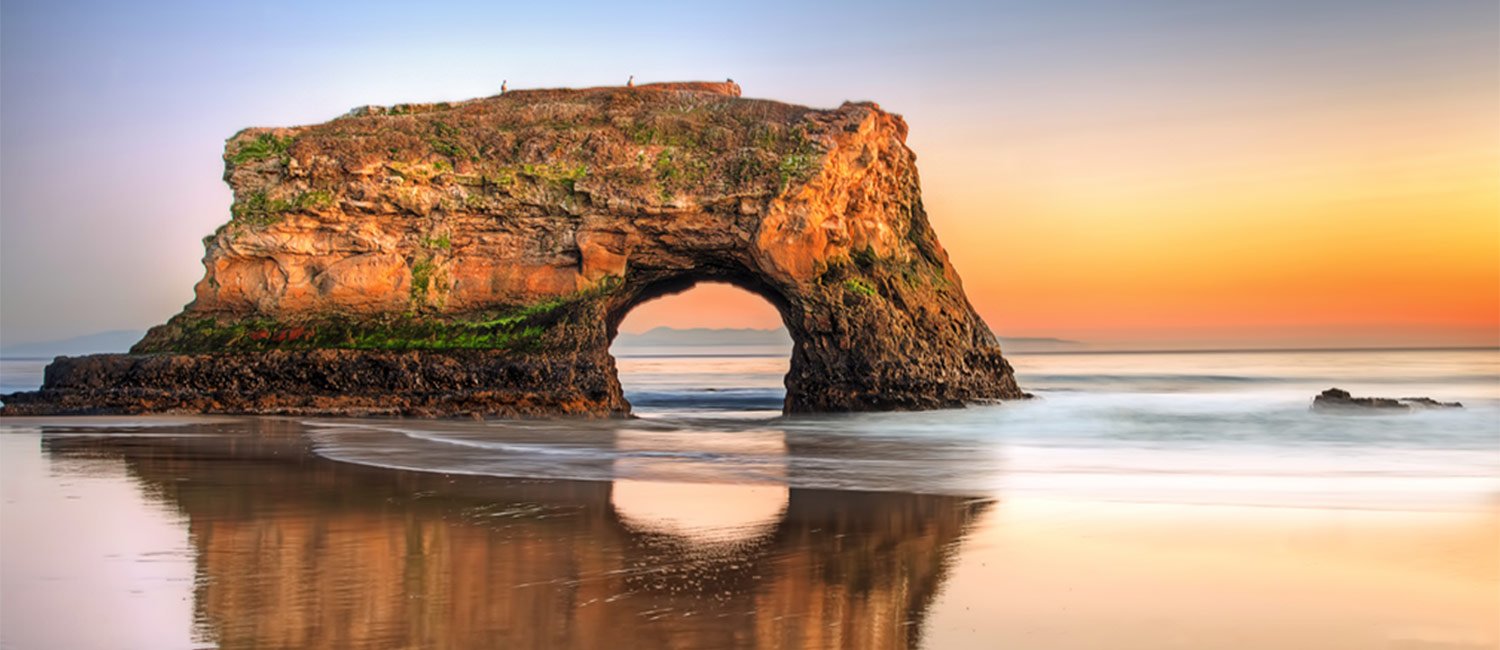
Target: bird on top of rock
630	83
502	87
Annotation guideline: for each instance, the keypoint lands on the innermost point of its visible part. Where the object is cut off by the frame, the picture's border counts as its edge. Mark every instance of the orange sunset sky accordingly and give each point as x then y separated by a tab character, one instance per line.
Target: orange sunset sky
1155	173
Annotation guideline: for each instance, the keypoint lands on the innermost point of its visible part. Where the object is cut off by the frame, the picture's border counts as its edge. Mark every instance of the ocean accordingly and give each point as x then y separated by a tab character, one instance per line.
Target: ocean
1140	500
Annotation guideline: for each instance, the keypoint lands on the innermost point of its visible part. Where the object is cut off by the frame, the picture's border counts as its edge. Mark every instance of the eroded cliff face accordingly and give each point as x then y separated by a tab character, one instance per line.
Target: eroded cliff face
523	227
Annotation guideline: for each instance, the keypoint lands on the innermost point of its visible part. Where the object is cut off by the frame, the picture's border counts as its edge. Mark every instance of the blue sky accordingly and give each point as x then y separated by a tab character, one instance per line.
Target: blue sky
113	115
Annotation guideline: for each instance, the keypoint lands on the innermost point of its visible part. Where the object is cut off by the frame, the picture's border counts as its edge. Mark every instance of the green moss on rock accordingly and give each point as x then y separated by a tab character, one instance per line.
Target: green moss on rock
520	330
856	285
265	146
259	209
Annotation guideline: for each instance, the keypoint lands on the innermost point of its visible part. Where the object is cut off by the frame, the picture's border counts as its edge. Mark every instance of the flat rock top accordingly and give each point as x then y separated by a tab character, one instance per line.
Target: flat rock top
544	126
653	147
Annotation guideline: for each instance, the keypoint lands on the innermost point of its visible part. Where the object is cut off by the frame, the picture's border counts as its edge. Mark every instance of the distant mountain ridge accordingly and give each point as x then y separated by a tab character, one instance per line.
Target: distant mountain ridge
1040	344
671	337
704	336
111	341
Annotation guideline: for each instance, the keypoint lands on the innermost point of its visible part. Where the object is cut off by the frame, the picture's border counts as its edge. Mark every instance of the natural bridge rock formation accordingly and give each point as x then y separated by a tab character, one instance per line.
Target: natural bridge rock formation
477	257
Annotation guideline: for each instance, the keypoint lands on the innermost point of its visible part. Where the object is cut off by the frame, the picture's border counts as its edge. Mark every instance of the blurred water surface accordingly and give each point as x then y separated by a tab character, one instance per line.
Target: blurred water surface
711	521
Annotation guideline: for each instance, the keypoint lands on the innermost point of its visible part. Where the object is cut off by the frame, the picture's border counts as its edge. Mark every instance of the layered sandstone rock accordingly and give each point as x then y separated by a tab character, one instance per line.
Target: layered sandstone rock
520	229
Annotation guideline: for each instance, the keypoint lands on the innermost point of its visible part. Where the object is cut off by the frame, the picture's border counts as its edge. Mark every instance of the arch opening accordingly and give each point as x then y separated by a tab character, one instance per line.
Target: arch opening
709	347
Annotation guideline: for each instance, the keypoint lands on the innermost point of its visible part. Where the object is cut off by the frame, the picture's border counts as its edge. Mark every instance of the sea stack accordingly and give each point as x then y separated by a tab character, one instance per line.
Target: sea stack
477	257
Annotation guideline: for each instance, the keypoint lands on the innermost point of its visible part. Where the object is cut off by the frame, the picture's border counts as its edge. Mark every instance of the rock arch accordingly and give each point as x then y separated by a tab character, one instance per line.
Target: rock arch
477	257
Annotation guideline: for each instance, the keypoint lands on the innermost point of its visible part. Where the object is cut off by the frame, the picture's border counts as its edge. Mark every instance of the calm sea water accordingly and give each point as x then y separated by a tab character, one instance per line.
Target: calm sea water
712	521
1118	426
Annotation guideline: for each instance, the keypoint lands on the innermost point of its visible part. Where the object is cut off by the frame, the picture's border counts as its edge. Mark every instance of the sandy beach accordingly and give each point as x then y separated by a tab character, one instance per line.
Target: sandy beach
231	532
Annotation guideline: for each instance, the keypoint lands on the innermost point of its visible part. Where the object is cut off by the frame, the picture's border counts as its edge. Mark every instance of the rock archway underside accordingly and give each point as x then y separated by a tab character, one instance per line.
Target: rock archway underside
477	258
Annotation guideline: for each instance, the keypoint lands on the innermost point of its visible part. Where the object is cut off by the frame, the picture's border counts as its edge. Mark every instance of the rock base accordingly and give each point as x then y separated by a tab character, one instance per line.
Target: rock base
326	382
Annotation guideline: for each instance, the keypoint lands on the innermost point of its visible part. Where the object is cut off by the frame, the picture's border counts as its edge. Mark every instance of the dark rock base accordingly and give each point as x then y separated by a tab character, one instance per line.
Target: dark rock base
934	382
481	383
326	382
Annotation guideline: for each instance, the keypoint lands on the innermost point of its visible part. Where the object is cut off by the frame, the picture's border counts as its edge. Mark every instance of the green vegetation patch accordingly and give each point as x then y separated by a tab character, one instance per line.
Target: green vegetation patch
263	147
313	199
746	169
674	171
565	176
562	175
519	330
666	133
445	140
793	167
856	285
422	272
259	210
505	177
668	175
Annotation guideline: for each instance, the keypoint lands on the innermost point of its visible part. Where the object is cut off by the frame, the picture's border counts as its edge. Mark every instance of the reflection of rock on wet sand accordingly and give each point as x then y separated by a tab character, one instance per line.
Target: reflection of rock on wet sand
663	493
297	551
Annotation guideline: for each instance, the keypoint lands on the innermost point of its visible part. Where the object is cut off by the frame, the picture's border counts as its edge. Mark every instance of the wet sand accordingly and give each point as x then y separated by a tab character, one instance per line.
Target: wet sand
230	533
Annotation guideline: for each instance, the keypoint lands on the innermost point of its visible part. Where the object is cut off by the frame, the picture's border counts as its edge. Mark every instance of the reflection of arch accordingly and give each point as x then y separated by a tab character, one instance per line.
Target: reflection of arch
297	551
647	499
706	513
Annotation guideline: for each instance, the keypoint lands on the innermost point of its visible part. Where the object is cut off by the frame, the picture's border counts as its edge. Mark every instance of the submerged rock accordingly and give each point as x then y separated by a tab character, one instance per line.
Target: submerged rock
1335	399
478	257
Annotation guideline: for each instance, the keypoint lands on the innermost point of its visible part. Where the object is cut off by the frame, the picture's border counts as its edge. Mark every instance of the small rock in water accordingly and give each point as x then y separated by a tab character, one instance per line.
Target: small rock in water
1335	399
1428	402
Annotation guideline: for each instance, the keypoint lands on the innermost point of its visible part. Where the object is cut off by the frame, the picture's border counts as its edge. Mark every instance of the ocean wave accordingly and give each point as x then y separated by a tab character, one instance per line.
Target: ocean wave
492	445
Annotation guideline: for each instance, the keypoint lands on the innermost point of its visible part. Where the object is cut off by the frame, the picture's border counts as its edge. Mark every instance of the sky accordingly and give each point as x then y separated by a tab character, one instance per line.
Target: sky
1147	173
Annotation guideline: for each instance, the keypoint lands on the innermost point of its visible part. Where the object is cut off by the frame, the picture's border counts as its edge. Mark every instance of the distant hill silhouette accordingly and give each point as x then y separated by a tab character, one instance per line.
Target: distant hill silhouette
111	341
1025	344
778	339
704	337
